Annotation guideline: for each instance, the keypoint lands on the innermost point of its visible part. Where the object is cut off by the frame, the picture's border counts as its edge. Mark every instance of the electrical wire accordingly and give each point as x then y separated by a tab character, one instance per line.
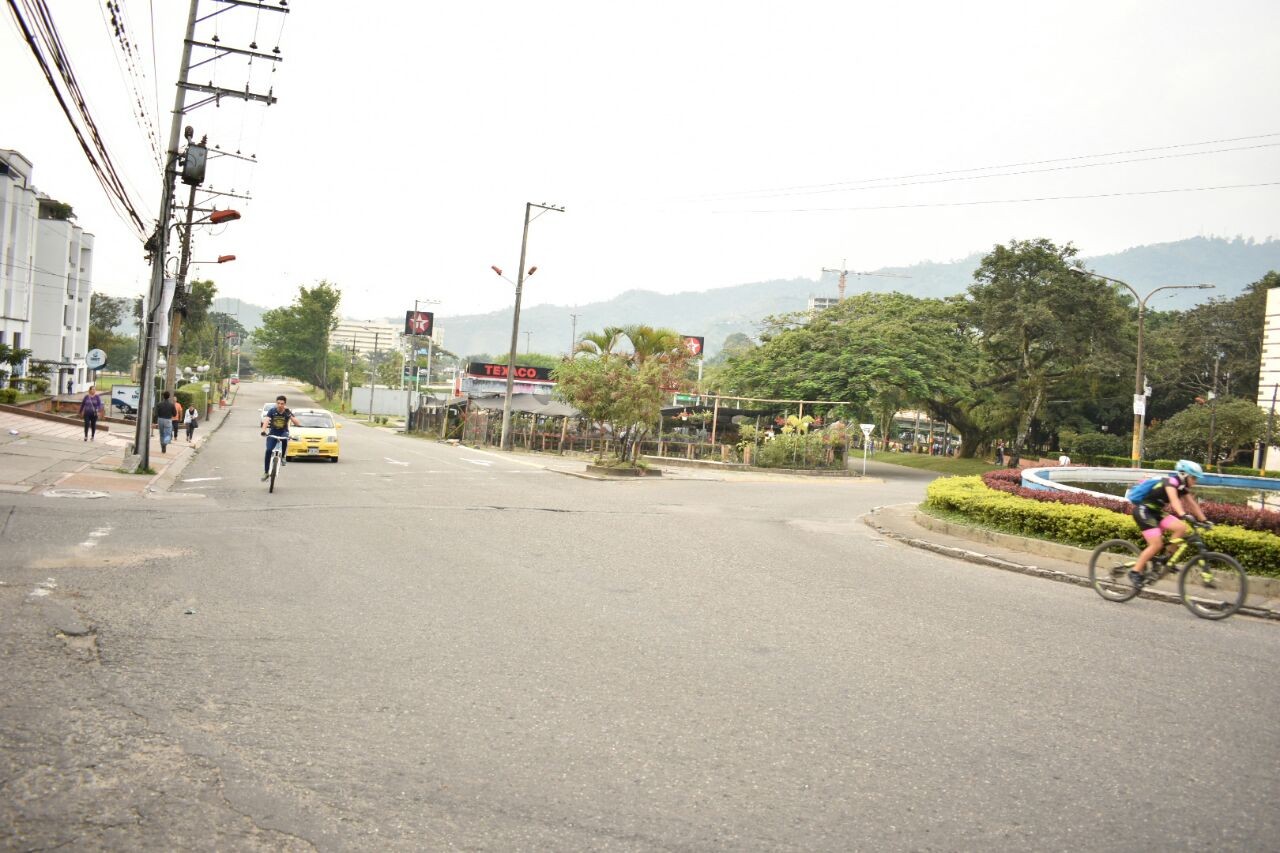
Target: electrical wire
1007	200
851	183
845	189
96	152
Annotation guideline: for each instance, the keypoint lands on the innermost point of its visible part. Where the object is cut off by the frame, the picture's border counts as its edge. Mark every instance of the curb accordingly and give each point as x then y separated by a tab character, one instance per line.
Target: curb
1026	569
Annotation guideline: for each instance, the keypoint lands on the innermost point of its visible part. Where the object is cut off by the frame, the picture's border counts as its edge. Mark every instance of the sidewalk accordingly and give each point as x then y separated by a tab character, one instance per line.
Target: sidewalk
1037	557
41	456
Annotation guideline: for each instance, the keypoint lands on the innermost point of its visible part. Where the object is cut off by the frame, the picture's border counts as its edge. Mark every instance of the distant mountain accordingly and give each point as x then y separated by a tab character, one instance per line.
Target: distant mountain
249	315
716	314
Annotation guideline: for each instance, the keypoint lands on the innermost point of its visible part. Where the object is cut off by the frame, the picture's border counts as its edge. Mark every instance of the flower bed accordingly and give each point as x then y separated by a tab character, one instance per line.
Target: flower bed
1265	520
1027	512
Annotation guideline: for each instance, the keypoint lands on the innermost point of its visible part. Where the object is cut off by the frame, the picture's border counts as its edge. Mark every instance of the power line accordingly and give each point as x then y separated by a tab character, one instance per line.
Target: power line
845	189
727	195
99	159
1006	200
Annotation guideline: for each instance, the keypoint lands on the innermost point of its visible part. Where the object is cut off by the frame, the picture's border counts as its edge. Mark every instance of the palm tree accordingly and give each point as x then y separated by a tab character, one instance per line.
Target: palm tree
13	358
599	343
648	342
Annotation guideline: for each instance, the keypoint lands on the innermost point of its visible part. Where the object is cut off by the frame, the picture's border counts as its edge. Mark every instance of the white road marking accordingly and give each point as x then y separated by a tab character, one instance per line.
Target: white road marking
483	462
95	535
47	586
200	479
394	461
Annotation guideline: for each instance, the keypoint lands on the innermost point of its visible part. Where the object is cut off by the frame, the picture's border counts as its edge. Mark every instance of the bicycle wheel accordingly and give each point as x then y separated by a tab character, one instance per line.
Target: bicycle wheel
1213	585
275	467
1109	567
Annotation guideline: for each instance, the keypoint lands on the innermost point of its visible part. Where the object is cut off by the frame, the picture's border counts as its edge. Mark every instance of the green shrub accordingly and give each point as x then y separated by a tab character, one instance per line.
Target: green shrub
192	394
8	395
1084	526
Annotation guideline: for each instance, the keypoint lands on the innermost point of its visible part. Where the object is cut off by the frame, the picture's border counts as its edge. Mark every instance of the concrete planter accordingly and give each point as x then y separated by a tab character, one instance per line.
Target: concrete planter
606	471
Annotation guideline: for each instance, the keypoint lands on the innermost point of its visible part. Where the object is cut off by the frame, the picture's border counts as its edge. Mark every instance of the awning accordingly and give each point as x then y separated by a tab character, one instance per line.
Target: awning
530	404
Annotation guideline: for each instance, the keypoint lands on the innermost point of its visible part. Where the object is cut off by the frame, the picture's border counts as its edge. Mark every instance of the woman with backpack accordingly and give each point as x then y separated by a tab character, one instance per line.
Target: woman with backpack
191	419
1164	504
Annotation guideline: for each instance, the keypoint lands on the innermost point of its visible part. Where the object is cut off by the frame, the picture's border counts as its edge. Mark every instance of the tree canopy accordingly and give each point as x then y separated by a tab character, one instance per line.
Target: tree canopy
294	340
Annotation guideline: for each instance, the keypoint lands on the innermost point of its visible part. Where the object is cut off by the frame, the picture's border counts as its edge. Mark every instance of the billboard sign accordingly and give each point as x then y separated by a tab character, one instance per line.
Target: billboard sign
418	323
693	344
488	370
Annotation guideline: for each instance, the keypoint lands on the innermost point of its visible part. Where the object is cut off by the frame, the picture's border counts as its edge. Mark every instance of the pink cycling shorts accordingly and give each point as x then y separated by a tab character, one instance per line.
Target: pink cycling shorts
1154	533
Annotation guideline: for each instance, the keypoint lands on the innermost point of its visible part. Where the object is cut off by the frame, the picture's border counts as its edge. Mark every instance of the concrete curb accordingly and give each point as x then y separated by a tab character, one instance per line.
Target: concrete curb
1012	541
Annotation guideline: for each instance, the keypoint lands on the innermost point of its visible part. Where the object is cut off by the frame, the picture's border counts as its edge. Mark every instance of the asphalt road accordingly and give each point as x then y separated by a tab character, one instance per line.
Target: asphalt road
426	647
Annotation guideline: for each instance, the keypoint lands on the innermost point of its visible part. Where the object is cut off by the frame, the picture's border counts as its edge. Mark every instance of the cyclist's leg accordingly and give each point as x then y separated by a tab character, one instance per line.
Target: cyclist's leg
284	450
1149	523
266	457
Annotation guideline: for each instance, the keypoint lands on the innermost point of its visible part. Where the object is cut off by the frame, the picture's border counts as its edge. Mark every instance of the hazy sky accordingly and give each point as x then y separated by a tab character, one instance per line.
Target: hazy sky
694	144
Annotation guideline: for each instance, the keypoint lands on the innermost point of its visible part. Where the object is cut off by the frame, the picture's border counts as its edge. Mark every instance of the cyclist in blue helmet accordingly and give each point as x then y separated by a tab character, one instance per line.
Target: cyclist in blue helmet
1168	507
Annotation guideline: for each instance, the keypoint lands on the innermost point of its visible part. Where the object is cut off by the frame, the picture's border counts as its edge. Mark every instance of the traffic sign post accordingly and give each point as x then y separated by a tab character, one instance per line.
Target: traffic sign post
867	429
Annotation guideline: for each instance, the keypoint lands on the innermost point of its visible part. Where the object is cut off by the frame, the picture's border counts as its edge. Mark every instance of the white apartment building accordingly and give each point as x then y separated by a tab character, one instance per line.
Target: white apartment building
1269	372
46	274
365	336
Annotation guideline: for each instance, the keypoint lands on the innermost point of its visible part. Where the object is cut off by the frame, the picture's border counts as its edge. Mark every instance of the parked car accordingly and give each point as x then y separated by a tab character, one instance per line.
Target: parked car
315	437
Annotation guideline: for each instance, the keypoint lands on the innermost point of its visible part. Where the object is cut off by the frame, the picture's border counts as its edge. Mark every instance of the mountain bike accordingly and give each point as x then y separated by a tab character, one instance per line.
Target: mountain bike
1212	585
277	459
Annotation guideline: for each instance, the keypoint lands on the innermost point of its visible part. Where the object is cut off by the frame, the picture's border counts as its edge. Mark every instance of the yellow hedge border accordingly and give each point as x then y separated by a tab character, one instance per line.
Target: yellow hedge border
1086	526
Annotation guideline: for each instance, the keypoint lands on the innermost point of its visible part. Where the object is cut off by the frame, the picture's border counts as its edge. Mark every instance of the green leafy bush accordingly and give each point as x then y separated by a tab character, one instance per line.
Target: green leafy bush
8	395
192	394
1084	526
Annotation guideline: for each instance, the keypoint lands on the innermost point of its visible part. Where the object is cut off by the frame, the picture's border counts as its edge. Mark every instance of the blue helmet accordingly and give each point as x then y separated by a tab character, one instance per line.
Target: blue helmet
1189	468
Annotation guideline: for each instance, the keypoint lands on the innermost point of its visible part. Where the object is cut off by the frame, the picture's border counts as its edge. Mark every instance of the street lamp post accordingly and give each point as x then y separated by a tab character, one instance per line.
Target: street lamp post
1139	395
515	321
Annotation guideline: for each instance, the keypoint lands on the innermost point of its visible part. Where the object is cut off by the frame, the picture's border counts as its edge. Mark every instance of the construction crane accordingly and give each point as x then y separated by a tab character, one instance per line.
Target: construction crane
845	273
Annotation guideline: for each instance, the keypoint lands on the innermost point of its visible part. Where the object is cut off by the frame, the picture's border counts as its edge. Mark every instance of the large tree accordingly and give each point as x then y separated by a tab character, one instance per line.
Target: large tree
294	340
1042	323
875	352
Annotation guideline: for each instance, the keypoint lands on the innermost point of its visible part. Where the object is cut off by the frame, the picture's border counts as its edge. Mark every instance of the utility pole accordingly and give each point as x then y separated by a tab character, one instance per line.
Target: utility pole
1213	408
373	374
528	336
845	273
573	335
505	441
158	244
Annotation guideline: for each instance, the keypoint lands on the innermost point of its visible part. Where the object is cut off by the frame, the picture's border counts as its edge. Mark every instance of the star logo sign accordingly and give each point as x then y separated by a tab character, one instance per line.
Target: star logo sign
417	322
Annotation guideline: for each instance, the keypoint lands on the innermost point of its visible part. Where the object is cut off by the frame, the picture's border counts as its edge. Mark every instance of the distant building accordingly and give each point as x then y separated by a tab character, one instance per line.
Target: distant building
46	275
365	338
822	303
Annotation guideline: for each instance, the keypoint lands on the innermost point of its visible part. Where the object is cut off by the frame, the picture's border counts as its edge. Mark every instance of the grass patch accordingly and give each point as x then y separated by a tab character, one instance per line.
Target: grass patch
942	464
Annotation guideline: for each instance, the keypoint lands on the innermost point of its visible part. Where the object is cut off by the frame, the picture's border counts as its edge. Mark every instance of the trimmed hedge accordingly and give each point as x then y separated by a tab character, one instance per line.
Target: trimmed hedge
1081	524
192	393
1264	520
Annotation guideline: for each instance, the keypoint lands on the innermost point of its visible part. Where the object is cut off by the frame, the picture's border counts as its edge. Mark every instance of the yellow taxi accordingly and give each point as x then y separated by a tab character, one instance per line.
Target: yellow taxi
315	437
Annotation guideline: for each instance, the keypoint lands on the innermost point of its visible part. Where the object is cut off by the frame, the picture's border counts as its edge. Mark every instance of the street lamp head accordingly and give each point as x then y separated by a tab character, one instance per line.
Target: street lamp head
532	270
495	269
222	259
220	216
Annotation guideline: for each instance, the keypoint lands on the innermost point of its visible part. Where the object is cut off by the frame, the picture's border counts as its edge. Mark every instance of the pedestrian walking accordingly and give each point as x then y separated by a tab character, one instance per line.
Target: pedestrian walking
191	418
165	413
91	410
